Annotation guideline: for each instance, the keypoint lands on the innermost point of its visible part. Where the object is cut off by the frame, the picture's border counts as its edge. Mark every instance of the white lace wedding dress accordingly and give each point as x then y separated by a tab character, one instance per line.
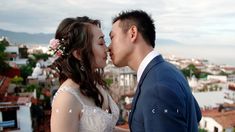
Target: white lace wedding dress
94	119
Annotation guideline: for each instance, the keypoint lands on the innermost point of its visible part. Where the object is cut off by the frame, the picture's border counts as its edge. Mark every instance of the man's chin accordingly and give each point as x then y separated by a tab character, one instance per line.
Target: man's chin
118	64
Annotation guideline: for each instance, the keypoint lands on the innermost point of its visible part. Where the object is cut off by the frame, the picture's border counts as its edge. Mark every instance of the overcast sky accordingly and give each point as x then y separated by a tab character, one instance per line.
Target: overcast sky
183	21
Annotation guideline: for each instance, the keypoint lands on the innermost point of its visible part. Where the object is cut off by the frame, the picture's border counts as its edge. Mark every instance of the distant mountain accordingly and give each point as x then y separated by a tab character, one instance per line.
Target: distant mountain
159	41
43	38
26	38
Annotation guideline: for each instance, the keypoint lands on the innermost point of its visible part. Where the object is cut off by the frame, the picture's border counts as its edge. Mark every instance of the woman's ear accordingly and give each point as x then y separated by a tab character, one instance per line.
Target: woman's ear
77	54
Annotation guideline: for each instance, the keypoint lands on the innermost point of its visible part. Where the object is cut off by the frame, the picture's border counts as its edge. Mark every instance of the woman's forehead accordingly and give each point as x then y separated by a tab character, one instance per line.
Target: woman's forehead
97	32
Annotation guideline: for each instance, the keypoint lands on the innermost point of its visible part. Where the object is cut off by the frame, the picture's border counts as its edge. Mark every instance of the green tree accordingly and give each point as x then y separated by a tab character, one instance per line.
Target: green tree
202	130
25	71
108	81
2	47
192	70
223	73
189	70
31	61
203	75
33	58
186	72
40	56
3	57
4	42
17	80
31	87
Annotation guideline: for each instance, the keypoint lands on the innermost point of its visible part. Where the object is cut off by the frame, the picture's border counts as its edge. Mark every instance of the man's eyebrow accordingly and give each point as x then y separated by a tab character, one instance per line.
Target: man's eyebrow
110	33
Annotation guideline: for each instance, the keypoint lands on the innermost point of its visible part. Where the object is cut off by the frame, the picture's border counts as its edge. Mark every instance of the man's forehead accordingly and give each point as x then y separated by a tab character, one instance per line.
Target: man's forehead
116	23
115	26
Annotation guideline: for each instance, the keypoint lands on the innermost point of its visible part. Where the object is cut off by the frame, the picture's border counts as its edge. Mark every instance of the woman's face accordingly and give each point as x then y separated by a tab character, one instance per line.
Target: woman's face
98	47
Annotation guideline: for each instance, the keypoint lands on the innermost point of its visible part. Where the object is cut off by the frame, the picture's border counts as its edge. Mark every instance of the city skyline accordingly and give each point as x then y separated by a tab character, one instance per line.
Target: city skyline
184	22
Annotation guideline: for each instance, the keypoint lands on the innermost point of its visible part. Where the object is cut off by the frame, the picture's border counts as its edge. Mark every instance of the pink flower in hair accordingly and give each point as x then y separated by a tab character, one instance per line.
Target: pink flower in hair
54	44
56	48
58	53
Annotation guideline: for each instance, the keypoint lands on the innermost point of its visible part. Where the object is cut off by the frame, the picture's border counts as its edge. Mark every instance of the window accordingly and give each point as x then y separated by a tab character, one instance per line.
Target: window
9	115
205	124
216	129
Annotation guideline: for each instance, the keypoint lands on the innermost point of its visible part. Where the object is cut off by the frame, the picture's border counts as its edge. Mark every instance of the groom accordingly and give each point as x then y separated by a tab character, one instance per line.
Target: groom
163	100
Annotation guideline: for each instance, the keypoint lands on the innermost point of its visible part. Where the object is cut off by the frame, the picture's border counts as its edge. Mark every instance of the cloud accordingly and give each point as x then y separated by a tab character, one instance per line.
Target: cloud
187	22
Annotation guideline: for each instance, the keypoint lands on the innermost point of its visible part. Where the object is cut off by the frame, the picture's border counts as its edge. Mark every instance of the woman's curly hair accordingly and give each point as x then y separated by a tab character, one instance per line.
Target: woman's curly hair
74	34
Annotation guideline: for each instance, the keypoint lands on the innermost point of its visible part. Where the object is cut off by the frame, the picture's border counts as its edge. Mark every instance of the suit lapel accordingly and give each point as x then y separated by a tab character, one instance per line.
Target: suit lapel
155	61
134	101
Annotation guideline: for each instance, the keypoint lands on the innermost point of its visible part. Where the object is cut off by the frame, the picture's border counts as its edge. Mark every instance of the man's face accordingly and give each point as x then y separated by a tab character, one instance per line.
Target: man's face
120	47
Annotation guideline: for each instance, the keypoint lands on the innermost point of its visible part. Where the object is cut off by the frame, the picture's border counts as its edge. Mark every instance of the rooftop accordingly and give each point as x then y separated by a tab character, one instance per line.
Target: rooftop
225	117
4	82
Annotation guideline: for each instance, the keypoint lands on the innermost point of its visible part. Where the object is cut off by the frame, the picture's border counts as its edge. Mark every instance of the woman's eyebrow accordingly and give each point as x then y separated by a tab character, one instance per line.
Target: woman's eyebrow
101	37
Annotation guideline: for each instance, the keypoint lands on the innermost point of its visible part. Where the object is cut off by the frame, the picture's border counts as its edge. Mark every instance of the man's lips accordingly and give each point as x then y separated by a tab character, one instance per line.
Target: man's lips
111	55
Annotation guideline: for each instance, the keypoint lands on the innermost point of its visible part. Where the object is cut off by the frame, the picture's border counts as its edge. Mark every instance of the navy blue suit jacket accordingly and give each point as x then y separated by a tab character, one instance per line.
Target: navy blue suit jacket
163	101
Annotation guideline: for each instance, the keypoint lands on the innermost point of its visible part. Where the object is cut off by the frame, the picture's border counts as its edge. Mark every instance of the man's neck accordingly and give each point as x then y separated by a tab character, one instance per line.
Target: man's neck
137	57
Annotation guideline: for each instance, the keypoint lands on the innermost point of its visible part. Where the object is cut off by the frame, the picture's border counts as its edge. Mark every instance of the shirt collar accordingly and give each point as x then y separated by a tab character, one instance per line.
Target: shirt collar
145	62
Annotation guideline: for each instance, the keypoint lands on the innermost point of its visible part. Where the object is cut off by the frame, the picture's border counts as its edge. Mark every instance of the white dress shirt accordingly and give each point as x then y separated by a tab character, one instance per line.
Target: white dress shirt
145	62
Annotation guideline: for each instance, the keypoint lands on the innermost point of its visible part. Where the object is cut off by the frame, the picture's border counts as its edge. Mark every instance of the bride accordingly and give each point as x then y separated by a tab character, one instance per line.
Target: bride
82	102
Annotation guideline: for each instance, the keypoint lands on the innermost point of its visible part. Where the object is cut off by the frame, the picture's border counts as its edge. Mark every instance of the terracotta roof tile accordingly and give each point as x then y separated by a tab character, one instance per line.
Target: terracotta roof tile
4	83
224	118
126	126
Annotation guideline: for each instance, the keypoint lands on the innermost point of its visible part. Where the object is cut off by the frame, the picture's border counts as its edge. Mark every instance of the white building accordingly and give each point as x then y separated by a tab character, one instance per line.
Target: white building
14	58
217	77
231	78
16	116
229	96
124	78
38	75
218	121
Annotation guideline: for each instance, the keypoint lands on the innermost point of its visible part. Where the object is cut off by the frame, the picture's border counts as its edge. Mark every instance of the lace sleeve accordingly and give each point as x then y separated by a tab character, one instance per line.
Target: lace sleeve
65	113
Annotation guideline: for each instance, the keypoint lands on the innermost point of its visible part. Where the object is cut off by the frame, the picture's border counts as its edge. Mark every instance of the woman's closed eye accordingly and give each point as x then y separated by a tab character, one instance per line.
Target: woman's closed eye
102	42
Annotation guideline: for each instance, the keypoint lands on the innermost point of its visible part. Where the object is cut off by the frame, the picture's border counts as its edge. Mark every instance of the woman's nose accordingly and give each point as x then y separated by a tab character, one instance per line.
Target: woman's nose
106	49
109	47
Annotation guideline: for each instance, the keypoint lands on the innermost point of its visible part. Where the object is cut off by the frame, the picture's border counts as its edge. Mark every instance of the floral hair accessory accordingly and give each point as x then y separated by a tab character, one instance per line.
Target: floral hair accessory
54	43
56	48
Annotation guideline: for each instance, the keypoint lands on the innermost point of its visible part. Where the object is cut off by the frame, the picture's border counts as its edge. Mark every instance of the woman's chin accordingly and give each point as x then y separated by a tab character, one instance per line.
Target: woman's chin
101	66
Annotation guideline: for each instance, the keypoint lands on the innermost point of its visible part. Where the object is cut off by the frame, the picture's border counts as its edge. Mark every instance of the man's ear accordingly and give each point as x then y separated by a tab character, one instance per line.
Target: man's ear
133	33
77	54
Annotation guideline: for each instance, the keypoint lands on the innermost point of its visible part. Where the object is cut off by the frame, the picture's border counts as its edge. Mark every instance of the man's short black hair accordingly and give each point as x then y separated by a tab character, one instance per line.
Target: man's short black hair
141	20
